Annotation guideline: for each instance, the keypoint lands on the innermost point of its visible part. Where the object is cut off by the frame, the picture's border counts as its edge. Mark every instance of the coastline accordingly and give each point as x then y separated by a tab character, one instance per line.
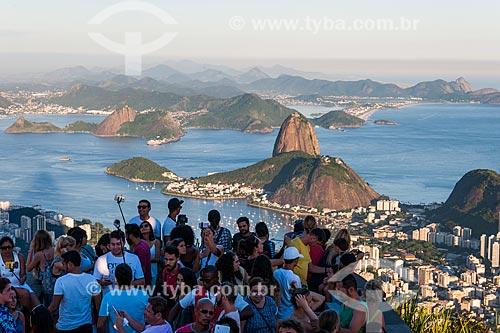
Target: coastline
183	195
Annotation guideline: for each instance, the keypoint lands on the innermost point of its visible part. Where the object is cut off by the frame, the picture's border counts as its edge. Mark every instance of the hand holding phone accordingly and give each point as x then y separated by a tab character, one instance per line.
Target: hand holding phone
222	329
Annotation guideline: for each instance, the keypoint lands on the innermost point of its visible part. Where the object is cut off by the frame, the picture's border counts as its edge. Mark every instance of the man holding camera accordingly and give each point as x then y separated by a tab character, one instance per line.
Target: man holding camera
174	209
221	235
143	208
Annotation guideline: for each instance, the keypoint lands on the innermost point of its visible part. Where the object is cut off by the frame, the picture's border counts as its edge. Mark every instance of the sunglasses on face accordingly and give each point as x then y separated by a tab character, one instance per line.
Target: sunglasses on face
8	247
144	226
204	280
207	312
142	207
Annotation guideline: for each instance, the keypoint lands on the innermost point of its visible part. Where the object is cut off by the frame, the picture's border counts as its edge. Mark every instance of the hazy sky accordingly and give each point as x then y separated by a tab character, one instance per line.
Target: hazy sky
408	39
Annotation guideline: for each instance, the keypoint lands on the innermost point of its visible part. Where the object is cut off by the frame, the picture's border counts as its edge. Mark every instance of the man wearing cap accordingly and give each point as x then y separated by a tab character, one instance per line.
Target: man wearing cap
174	209
143	208
287	279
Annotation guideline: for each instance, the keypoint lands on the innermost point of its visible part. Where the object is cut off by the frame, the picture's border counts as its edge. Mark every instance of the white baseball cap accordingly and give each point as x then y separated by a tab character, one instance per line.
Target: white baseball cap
292	253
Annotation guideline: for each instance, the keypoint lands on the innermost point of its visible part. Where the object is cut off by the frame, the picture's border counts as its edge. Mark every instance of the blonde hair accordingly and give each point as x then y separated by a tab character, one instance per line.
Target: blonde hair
342	233
63	242
309	223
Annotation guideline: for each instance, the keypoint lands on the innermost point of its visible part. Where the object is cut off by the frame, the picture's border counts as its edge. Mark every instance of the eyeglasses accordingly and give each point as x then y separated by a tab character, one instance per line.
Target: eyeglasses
207	312
143	226
142	207
8	247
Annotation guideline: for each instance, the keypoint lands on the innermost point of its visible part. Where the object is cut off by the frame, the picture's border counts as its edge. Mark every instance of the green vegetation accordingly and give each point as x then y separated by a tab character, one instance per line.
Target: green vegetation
140	169
337	119
22	125
262	173
425	251
473	203
384	122
151	126
81	126
420	320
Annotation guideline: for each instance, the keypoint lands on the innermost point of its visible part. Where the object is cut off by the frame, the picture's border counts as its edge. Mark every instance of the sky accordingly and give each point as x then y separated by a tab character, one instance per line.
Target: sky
385	39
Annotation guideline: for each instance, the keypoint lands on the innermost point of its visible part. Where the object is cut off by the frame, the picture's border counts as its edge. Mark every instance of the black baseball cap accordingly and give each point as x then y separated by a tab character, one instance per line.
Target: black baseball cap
174	203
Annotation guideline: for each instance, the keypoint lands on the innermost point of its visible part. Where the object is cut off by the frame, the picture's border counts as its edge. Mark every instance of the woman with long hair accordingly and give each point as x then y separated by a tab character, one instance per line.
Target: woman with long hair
191	259
41	320
269	247
147	233
41	251
12	267
14	311
63	245
248	250
230	270
262	268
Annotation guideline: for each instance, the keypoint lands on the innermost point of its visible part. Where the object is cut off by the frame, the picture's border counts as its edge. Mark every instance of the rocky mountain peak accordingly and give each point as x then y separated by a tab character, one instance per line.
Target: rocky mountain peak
462	85
112	124
296	134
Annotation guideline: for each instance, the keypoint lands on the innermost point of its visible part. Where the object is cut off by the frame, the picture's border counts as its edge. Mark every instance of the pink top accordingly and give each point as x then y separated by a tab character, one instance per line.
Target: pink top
144	254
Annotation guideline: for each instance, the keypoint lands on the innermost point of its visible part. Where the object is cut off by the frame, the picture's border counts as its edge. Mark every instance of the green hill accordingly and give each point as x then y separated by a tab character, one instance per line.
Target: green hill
474	203
151	126
22	125
142	170
247	112
297	178
337	119
81	126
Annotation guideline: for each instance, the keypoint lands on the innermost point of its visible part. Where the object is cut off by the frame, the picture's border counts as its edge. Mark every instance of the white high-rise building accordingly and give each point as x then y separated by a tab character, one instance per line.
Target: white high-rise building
482	248
495	255
457	230
424	234
491	240
467	233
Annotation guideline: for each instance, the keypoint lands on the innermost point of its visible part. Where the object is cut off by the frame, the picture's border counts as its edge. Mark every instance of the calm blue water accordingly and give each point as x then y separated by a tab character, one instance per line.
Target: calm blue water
418	160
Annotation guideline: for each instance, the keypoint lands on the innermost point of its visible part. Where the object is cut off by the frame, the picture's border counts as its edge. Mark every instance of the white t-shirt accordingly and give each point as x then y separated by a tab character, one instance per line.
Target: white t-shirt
235	315
168	225
190	298
155	223
285	277
77	291
106	265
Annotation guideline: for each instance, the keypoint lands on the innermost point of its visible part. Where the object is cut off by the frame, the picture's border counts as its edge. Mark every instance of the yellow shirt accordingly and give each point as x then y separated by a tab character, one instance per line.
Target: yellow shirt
303	264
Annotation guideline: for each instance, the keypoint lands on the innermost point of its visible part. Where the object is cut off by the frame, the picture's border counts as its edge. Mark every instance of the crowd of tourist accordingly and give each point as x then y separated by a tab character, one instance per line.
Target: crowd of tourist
164	282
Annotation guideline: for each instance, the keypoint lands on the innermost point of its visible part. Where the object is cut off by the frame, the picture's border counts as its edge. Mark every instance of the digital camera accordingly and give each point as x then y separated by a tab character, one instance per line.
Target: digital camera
182	219
119	198
10	265
204	225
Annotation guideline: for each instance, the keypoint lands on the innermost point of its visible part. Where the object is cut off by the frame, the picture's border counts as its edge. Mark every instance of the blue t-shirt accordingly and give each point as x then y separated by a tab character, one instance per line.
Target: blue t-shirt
263	320
132	301
77	291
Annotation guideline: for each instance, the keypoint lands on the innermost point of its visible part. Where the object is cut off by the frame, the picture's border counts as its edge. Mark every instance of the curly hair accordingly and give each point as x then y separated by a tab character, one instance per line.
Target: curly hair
185	232
225	265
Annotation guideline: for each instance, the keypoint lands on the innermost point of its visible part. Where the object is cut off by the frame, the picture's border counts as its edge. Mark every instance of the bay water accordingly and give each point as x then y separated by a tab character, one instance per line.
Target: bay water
417	161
